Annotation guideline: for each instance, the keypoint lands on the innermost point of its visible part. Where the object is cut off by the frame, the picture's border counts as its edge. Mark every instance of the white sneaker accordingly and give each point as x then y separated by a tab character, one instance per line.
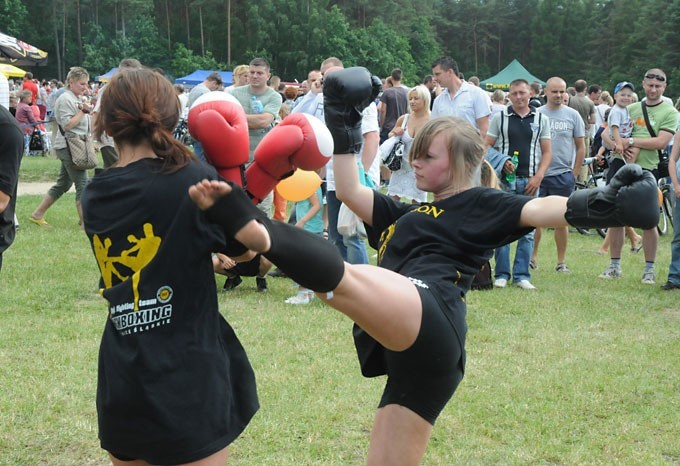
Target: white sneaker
525	285
298	299
500	283
649	277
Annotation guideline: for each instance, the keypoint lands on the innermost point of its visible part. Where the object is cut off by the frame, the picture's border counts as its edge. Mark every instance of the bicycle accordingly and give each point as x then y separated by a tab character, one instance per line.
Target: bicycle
667	199
594	179
181	132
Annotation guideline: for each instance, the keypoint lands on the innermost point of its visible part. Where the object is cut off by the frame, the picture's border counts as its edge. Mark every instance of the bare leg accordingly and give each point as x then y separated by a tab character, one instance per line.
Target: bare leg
615	242
399	437
561	240
635	239
45	204
604	247
216	459
537	239
650	242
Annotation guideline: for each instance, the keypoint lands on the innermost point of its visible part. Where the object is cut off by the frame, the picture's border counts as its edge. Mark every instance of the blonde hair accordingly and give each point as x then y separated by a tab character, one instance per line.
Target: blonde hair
607	98
488	176
240	70
76	74
465	147
422	93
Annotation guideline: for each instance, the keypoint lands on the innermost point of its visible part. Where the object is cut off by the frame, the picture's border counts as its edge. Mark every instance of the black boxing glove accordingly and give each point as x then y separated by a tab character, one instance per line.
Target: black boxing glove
630	199
346	93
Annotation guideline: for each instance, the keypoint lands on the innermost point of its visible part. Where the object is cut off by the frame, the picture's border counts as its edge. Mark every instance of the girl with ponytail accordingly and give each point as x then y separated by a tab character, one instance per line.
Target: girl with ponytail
175	385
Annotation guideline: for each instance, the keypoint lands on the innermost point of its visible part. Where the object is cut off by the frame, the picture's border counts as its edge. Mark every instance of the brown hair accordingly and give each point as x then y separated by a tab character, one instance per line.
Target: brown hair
138	105
465	146
290	92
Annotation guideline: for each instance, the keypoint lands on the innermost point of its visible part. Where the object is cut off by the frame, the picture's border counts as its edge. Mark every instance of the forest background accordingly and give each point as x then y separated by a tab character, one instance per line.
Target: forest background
602	41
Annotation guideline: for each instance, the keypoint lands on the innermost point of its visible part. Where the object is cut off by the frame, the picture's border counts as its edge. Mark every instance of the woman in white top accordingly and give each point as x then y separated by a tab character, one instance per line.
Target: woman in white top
403	181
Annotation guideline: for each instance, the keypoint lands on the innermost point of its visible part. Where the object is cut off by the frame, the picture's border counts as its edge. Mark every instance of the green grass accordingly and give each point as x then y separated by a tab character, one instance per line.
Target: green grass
581	371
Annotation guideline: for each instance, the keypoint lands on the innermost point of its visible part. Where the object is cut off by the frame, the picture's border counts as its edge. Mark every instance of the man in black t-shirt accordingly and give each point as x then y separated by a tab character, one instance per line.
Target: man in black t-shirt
520	130
394	104
11	150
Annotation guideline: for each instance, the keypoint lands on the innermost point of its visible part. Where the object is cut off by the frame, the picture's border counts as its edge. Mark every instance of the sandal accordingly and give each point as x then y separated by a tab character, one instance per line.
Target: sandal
39	221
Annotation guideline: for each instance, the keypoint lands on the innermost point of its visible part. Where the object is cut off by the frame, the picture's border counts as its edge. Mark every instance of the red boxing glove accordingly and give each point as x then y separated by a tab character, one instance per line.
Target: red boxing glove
299	141
218	122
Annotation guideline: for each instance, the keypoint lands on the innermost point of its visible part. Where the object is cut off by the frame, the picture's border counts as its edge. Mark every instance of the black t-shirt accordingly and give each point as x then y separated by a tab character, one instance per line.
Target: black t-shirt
446	242
174	384
11	150
520	133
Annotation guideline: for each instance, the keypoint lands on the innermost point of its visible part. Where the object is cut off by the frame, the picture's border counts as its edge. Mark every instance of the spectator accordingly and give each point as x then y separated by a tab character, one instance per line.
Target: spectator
239	77
403	181
73	116
643	148
394	103
567	134
211	83
673	281
28	84
535	90
585	107
459	98
498	102
522	130
11	149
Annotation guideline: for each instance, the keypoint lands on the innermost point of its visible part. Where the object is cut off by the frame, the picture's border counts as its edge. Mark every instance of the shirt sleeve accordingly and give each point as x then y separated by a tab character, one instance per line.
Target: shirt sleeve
273	103
495	125
385	212
482	108
369	120
579	127
545	127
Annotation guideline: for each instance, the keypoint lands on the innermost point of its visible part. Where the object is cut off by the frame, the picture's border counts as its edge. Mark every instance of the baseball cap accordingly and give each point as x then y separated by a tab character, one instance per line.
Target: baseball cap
623	84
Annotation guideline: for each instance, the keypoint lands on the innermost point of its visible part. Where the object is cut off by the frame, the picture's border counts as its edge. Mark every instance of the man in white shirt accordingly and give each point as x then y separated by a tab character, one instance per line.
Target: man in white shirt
459	98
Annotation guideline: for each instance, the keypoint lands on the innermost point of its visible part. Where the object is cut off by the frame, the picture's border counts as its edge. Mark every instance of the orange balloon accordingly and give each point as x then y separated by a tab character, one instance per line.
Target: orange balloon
299	186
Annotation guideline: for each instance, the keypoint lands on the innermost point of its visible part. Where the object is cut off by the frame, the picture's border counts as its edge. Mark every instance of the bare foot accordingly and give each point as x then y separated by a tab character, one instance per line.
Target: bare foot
206	192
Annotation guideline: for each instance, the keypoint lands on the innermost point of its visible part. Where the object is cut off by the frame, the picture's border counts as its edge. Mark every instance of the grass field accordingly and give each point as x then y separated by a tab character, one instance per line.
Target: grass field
580	371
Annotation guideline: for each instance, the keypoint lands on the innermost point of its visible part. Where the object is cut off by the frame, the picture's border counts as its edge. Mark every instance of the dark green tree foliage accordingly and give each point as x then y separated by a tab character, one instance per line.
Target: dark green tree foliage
602	41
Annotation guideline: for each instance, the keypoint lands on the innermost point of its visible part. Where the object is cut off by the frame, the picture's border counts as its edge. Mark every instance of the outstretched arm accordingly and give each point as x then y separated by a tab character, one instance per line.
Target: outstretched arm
544	212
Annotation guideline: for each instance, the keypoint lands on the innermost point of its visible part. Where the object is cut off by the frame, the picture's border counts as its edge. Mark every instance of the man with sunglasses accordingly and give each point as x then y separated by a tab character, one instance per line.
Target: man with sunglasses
643	148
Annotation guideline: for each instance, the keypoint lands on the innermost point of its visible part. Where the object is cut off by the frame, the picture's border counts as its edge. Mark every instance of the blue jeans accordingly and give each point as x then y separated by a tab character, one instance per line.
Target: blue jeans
674	269
525	246
198	151
352	248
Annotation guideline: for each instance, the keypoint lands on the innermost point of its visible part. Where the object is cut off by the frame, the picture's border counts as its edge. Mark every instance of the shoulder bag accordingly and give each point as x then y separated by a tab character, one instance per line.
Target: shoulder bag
81	148
662	167
393	158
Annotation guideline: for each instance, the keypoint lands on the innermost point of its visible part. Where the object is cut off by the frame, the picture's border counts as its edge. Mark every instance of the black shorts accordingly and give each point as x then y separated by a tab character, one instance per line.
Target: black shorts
558	185
424	377
248	269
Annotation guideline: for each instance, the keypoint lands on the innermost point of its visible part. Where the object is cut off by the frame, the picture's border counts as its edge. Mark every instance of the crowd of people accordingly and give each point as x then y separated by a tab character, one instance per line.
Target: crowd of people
214	209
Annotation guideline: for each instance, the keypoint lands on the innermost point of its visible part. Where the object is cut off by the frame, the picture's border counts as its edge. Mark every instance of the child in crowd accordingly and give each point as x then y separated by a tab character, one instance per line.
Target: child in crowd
619	121
309	217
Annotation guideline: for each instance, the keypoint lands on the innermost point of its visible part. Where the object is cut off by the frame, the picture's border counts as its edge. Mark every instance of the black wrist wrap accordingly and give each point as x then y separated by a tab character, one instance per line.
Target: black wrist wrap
233	211
310	260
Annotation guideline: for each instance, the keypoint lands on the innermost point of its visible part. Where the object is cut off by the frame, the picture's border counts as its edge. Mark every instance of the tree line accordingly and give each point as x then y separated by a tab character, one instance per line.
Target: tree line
602	41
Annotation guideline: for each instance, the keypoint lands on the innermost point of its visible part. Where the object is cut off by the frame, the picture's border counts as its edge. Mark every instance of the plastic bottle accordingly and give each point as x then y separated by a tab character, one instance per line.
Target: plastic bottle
256	104
511	177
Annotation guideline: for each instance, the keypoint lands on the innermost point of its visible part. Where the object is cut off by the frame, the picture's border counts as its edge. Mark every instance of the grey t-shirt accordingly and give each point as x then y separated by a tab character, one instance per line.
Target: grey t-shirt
64	109
565	125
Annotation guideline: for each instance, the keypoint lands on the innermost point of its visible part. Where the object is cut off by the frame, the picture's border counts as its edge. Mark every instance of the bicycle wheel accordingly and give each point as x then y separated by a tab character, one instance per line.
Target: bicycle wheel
668	207
662	227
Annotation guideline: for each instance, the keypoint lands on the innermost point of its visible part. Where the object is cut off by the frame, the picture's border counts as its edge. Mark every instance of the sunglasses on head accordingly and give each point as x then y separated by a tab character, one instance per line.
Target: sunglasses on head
655	76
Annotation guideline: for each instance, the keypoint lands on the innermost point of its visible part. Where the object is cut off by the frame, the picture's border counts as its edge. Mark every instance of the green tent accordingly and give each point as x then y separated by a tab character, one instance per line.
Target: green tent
502	80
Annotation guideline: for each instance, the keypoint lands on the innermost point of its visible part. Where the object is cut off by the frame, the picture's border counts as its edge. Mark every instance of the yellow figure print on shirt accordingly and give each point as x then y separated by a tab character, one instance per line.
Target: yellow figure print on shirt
135	258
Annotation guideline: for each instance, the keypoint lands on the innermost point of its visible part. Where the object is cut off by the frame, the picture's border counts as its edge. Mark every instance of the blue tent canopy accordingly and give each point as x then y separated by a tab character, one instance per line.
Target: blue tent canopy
198	76
107	76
